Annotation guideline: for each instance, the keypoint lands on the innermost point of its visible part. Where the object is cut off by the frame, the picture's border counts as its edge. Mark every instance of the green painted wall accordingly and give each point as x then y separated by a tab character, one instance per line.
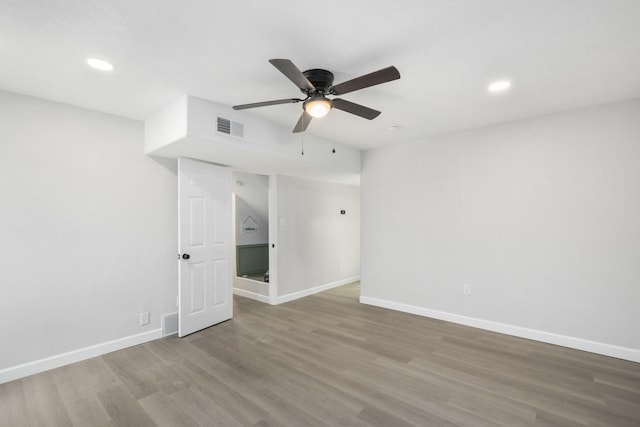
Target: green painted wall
252	259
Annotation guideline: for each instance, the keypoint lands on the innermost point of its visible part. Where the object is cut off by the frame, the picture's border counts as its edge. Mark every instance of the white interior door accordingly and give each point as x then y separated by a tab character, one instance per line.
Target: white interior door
205	271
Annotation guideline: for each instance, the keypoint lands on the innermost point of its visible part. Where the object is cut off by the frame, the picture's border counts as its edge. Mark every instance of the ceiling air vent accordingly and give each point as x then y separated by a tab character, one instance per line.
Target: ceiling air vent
228	127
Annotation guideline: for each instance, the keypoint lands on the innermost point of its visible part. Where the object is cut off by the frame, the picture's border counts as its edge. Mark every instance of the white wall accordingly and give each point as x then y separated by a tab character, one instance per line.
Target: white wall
540	217
87	230
187	128
317	246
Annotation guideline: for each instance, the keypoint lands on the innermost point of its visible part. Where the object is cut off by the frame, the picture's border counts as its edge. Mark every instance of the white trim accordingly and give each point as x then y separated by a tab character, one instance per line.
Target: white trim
315	290
241	279
37	366
274	224
252	295
625	353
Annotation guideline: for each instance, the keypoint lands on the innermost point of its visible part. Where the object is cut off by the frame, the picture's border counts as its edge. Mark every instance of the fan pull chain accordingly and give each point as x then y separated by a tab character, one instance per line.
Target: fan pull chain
302	139
333	135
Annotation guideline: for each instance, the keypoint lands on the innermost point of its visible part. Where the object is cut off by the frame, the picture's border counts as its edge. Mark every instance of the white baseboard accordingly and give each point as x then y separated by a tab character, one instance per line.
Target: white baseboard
251	295
37	366
306	292
625	353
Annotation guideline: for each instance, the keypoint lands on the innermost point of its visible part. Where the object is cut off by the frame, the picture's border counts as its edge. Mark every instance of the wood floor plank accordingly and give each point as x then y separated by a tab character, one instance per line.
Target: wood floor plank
165	412
132	367
203	410
486	403
327	360
78	385
13	404
623	405
43	401
526	371
313	398
227	390
377	417
548	400
123	408
425	398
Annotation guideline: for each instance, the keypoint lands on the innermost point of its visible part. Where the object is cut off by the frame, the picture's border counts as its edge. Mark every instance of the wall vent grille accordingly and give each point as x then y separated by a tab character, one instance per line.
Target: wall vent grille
228	127
224	125
169	323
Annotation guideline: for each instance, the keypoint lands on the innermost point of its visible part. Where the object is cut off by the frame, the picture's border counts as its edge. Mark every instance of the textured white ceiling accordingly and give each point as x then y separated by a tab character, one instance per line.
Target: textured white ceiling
560	55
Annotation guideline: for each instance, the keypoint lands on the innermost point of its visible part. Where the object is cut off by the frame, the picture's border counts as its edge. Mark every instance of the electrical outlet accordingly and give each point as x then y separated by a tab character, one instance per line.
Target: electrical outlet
466	289
144	318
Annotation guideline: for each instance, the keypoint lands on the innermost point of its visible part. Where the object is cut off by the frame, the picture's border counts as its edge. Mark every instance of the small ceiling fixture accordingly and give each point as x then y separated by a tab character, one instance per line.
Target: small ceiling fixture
317	106
100	64
499	86
392	127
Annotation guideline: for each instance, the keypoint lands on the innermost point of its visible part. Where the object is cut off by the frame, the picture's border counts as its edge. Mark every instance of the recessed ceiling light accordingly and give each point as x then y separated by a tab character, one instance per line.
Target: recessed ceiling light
499	86
100	64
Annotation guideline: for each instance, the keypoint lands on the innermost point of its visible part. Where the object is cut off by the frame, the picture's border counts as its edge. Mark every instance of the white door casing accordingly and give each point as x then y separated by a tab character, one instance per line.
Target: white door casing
204	238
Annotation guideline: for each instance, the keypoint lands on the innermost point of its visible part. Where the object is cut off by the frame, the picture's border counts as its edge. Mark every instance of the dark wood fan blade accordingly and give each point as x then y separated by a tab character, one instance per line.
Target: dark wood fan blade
303	122
292	72
357	109
266	103
381	76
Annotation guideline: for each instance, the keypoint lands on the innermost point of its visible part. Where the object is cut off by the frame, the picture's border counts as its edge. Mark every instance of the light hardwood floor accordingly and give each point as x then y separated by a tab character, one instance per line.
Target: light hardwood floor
327	360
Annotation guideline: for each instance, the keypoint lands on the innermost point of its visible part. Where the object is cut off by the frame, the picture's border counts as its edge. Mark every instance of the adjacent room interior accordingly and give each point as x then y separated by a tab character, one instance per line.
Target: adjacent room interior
251	214
455	243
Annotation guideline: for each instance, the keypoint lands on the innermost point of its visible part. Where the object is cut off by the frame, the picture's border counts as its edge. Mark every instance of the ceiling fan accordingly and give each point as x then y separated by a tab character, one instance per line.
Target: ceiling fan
316	84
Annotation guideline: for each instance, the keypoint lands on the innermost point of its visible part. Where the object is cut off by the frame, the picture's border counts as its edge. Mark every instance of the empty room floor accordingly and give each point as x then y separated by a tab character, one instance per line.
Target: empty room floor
327	360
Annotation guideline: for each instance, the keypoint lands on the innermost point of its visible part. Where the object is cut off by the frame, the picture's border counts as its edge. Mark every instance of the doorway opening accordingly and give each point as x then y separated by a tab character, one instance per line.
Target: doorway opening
251	235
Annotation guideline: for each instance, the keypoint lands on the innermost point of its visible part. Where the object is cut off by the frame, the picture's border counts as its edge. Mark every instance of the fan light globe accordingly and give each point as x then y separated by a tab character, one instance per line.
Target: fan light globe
318	107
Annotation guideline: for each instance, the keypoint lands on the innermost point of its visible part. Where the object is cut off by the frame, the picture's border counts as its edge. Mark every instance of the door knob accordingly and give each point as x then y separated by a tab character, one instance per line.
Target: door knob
186	256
